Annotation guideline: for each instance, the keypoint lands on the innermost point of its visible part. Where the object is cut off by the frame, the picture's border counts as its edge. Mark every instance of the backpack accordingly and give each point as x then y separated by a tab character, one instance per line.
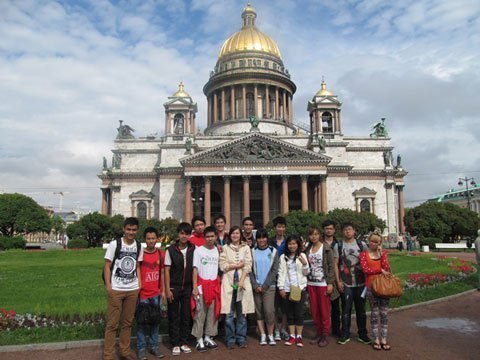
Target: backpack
118	248
340	246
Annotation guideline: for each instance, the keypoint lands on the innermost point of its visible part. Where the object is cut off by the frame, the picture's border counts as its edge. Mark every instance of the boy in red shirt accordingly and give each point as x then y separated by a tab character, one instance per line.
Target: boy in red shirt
151	291
197	237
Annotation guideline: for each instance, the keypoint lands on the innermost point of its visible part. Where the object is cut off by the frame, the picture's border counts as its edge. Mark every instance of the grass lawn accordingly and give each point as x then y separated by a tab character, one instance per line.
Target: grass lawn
67	284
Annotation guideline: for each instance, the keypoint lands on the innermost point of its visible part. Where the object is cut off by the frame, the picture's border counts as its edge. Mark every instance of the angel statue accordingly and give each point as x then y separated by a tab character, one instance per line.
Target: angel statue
124	131
379	129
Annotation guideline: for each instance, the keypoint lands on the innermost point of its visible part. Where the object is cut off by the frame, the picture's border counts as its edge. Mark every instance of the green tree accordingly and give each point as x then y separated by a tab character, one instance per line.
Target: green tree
116	227
445	221
363	221
298	222
58	225
20	214
91	227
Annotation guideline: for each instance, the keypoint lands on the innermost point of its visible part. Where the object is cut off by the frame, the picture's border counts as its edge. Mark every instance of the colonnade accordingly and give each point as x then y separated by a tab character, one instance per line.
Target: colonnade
230	103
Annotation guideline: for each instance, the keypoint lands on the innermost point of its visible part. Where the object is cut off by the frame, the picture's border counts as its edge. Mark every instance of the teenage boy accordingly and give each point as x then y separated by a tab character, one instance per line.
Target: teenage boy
198	224
121	274
264	278
247	228
206	292
352	284
278	242
329	238
151	291
178	288
220	222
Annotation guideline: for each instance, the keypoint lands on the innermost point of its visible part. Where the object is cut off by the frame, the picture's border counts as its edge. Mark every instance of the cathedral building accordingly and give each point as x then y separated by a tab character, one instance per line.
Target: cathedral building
253	158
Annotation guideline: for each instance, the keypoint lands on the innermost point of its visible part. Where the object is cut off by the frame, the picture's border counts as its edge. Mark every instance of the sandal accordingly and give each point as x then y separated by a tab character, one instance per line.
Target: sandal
386	347
377	346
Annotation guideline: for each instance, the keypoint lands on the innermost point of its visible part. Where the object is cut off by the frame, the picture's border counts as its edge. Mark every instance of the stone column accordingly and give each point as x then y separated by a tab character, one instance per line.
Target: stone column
246	195
373	205
266	200
267	102
284	99
244	101
401	209
319	121
255	101
215	108
277	104
188	199
207	203
319	196
186	124
290	110
232	103
149	211
226	200
356	205
285	194
304	179
167	123
209	110
223	104
315	198
104	202
323	186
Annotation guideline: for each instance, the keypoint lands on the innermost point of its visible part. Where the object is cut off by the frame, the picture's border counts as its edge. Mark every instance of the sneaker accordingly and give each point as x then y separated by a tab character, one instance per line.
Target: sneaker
299	341
209	343
285	335
271	340
290	341
278	337
263	339
155	353
142	354
316	340
343	340
365	340
323	341
200	346
176	350
185	349
242	345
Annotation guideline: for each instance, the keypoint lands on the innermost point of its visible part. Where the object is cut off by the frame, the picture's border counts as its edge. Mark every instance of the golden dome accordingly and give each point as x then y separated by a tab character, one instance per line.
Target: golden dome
323	91
181	91
249	38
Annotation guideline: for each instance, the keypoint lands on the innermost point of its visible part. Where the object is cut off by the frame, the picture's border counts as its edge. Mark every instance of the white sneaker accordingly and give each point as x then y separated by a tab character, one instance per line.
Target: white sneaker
271	340
209	343
263	339
185	349
176	351
277	335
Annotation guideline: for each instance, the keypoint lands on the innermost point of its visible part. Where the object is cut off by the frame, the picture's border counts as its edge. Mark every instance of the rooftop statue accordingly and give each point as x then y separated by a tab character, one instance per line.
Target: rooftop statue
322	143
124	131
254	122
188	146
379	129
105	166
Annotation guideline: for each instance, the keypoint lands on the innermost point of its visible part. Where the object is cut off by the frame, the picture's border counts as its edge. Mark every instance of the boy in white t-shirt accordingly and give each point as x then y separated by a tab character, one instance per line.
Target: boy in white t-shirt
122	282
206	292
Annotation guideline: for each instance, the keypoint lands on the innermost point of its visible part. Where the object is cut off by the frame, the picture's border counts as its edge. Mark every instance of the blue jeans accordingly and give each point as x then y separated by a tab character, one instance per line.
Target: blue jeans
235	332
141	329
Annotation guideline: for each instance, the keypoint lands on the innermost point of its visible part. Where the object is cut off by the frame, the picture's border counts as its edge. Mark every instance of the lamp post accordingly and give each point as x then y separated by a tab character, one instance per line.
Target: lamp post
466	180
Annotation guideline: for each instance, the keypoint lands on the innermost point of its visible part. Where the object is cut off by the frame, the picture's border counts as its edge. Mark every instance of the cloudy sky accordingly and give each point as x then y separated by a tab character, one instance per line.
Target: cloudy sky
69	70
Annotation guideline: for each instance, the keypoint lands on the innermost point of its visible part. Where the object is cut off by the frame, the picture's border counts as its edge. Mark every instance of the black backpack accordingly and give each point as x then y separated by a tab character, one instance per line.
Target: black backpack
117	254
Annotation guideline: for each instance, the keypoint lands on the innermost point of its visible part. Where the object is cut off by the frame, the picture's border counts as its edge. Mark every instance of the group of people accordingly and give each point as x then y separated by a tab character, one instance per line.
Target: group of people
211	276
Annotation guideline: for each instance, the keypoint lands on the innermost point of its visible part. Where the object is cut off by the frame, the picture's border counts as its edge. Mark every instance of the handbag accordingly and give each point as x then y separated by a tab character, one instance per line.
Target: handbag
387	286
148	313
295	293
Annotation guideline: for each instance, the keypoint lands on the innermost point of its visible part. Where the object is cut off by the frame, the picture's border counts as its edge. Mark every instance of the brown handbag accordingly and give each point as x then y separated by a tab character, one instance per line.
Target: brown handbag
387	286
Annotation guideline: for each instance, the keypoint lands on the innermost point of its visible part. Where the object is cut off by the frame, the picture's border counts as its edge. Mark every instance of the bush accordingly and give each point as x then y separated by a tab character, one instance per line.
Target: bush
12	242
430	241
77	244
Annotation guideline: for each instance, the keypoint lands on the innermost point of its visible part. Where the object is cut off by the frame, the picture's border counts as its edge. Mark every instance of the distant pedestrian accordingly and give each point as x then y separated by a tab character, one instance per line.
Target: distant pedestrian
374	261
121	275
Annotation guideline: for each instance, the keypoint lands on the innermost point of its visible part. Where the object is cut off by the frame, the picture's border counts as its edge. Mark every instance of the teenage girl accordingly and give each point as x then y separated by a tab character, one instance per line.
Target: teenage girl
320	284
293	270
374	261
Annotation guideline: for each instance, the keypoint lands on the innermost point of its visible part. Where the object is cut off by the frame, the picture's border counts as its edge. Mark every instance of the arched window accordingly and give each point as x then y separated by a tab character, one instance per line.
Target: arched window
250	105
365	206
327	123
142	210
178	124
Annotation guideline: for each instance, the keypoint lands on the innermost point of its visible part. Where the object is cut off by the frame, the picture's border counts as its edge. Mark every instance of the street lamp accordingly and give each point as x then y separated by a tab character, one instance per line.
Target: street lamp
466	180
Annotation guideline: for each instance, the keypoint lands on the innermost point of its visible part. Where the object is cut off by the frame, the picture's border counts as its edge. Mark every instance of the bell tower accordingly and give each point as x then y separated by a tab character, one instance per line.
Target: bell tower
324	110
180	112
